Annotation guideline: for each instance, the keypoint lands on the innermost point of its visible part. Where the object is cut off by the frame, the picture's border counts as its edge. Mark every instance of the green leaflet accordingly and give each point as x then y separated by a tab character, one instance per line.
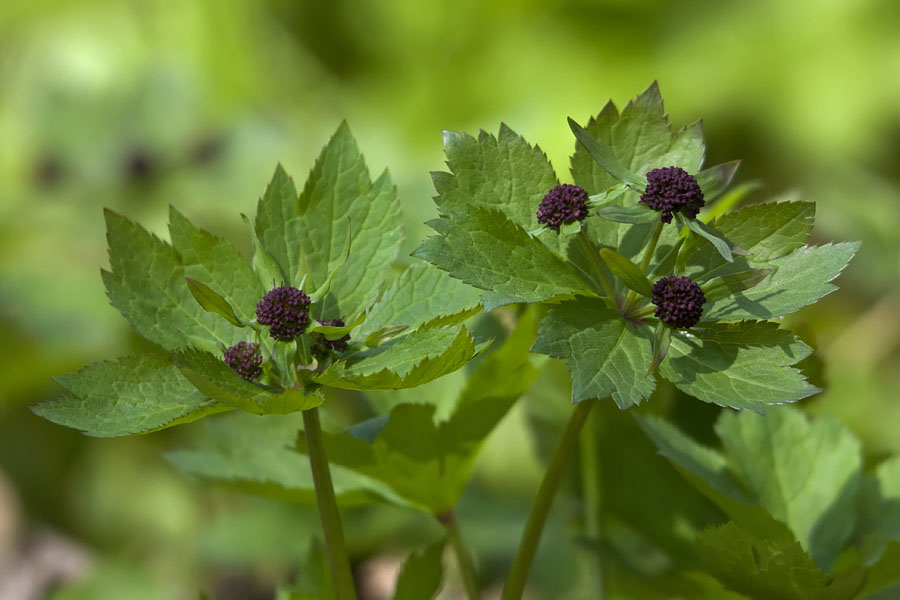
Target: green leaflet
410	361
715	180
129	396
626	271
422	574
255	455
503	172
800	278
276	225
606	356
215	379
767	231
214	262
420	295
431	468
146	283
741	365
340	200
212	302
483	248
805	474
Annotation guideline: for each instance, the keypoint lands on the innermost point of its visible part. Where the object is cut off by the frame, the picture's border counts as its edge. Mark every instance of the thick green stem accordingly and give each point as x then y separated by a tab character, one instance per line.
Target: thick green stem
592	497
515	584
463	558
645	264
593	256
338	558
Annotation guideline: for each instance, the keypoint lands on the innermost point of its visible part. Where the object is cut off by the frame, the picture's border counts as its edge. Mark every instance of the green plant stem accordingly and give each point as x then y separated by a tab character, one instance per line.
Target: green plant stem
463	558
592	497
645	263
515	584
338	558
588	249
641	313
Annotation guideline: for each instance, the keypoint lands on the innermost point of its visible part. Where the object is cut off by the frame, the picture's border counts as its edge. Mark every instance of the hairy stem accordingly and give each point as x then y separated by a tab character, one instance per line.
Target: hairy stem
463	558
590	481
593	256
515	584
338	558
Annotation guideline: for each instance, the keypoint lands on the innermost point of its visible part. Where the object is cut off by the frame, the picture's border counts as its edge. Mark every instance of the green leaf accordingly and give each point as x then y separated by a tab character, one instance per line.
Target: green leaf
800	278
407	362
212	302
883	574
339	191
629	273
603	155
215	262
503	172
256	455
270	273
376	338
485	249
146	284
276	227
805	474
606	356
333	332
742	365
419	297
719	287
129	396
422	573
215	379
715	180
722	245
637	214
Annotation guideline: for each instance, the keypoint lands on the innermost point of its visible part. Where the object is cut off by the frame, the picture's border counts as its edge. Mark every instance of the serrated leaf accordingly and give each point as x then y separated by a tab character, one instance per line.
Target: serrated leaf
256	455
715	180
742	365
376	338
339	190
146	284
129	396
420	296
276	227
215	379
503	172
637	214
215	262
333	332
603	155
485	249
410	361
719	287
422	573
722	245
606	356
212	302
628	272
270	273
800	278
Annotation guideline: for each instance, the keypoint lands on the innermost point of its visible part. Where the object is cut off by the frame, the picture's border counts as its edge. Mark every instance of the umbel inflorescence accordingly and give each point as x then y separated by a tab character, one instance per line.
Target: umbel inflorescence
563	204
672	189
286	311
245	359
679	301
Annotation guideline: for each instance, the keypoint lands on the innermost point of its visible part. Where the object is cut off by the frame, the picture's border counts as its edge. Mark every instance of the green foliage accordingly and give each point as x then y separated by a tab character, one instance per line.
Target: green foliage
420	578
129	396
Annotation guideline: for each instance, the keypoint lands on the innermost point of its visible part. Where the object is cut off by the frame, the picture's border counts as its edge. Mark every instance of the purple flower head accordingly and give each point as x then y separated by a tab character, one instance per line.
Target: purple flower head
322	346
672	189
245	360
679	301
563	204
286	311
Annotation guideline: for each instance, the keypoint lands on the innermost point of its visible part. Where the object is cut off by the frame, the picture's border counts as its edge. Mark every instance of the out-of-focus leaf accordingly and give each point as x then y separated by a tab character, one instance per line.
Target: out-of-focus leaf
715	180
420	578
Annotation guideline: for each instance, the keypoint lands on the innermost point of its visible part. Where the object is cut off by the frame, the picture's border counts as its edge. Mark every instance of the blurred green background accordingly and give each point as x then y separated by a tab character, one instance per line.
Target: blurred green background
136	104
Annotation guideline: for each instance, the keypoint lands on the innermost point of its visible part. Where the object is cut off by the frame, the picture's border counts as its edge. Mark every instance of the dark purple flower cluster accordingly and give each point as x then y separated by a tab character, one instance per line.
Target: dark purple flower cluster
245	359
323	346
563	204
672	189
679	301
286	311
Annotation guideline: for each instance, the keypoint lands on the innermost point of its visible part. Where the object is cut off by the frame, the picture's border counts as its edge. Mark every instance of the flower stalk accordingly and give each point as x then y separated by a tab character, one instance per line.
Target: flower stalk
463	558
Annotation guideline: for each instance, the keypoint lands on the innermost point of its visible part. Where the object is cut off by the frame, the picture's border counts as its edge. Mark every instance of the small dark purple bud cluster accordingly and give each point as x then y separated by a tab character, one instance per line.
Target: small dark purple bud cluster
245	359
563	204
672	189
679	301
322	346
286	311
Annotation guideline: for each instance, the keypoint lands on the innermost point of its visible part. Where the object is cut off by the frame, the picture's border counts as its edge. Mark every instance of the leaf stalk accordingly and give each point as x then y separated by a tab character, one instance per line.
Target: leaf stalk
463	558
